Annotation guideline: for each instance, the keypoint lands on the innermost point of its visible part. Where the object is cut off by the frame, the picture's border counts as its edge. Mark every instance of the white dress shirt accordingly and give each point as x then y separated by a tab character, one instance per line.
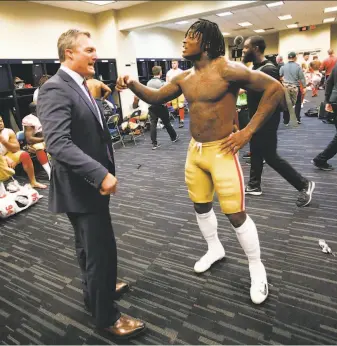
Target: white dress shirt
79	81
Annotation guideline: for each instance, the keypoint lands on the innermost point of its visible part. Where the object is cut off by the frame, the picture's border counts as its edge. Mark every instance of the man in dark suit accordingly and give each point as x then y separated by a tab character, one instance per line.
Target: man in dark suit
82	177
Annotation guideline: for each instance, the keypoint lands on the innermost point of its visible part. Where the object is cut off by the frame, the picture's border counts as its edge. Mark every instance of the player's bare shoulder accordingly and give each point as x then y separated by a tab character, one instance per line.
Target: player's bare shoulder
232	71
181	77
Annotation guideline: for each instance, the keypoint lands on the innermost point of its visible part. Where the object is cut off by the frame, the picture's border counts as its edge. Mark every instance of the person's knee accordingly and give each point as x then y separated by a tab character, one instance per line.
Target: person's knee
237	219
42	157
25	159
203	208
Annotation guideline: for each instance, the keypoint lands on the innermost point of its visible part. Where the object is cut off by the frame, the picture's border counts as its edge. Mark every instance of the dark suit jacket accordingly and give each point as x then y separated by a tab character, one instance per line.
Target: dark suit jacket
77	144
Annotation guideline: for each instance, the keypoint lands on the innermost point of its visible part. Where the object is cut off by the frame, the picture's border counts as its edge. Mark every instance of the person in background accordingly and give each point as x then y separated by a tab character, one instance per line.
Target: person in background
305	62
42	80
321	160
97	88
34	138
263	143
243	115
10	149
178	103
306	71
159	111
279	61
138	112
292	76
328	64
315	77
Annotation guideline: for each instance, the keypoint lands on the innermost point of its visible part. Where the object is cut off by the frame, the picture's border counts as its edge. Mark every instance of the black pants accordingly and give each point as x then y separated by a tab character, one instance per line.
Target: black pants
264	146
286	115
331	150
97	256
160	112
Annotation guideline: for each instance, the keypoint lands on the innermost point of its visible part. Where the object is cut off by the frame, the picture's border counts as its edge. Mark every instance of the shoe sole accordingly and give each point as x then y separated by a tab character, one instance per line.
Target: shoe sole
124	337
263	300
253	193
200	272
310	194
322	168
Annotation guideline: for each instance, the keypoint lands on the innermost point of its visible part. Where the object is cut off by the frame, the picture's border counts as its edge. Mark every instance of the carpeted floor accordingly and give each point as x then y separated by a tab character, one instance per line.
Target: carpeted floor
158	244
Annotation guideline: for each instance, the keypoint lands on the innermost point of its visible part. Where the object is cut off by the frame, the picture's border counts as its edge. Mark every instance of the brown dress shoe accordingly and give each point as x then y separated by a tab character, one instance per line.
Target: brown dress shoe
126	327
122	287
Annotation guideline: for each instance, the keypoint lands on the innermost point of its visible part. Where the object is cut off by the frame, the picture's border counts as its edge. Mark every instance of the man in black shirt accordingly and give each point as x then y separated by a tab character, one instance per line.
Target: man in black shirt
321	160
263	144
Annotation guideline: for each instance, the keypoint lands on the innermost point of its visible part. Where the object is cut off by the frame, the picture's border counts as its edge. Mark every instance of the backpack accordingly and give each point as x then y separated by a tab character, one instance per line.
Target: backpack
312	112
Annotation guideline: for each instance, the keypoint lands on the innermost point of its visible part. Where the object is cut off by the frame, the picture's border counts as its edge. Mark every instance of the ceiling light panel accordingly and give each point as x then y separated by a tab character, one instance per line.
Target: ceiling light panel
244	24
275	4
328	20
182	22
292	26
285	17
100	3
224	14
259	30
330	9
225	33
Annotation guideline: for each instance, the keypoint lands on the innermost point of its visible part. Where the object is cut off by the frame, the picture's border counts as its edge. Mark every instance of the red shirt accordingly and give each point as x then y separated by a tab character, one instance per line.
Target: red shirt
328	64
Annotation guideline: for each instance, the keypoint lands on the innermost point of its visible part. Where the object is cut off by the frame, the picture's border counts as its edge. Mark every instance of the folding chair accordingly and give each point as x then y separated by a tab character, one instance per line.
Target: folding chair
115	133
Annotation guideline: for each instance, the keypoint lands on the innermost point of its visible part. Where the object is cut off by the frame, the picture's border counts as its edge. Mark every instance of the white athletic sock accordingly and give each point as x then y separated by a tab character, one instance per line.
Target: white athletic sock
249	241
46	167
3	191
208	225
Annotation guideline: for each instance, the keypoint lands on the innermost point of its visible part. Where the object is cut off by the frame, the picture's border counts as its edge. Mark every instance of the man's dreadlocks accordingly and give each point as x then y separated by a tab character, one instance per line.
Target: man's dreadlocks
212	40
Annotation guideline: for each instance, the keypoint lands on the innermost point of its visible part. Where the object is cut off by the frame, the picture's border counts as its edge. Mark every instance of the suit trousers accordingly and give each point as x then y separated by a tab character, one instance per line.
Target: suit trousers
96	252
264	146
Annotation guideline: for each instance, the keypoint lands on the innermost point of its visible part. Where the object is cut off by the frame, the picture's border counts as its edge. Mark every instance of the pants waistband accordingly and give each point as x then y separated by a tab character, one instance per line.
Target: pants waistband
208	144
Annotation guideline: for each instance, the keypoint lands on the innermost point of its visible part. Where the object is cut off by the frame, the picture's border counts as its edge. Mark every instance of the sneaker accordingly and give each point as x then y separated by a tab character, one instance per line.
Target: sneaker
323	166
155	146
209	259
305	195
286	125
299	122
177	139
246	156
259	288
181	124
256	191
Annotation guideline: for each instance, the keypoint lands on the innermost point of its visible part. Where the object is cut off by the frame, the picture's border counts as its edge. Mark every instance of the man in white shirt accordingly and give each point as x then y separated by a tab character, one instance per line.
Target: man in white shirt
178	103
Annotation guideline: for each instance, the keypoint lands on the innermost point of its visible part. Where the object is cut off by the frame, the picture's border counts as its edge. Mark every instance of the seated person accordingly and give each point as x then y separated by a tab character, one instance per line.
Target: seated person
138	111
96	88
34	138
10	149
5	173
42	80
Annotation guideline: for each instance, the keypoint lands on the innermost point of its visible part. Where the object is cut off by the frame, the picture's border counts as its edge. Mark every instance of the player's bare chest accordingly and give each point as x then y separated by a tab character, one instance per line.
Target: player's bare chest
204	87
